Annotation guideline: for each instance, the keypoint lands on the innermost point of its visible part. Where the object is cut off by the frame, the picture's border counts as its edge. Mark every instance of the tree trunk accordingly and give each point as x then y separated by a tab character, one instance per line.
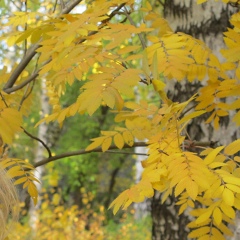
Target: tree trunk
40	151
166	223
206	22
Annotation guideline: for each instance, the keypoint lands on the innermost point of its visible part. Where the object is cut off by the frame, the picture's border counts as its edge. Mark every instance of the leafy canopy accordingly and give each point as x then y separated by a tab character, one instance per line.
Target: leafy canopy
97	48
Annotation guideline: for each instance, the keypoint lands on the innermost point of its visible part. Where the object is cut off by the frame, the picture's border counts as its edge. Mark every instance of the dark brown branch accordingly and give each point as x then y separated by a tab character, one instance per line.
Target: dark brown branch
21	66
188	144
83	151
70	6
132	22
128	153
39	140
23	84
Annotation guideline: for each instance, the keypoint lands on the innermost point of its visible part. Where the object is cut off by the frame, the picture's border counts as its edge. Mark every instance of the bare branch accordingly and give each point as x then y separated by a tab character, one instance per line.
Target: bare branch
39	140
189	145
23	84
70	6
128	153
62	4
144	45
21	66
83	151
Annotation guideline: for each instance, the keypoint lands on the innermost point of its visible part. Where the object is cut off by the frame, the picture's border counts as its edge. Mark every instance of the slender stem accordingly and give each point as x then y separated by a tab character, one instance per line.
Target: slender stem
23	84
99	149
26	27
39	140
128	153
132	22
83	151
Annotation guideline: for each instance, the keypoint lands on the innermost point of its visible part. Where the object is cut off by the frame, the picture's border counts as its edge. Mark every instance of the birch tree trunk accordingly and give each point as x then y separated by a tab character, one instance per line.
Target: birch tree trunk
40	153
207	22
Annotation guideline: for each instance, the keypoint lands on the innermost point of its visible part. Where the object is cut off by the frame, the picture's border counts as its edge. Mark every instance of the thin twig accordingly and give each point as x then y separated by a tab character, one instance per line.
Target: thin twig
4	100
25	29
132	22
161	2
55	6
83	151
23	84
70	6
39	140
27	93
193	144
128	153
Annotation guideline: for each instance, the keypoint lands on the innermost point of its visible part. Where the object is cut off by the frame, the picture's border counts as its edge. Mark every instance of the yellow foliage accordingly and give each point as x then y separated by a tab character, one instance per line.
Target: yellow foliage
102	53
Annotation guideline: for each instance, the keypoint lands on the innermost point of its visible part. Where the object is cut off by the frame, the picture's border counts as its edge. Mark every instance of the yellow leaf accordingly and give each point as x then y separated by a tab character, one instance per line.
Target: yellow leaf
227	210
199	232
6	163
13	171
212	155
192	189
203	217
216	122
181	186
106	144
148	6
108	98
217	216
26	184
96	143
146	188
233	188
118	140
228	197
53	179
231	180
118	99
232	148
128	138
56	199
32	190
119	201
217	234
158	85
191	116
182	208
20	180
108	133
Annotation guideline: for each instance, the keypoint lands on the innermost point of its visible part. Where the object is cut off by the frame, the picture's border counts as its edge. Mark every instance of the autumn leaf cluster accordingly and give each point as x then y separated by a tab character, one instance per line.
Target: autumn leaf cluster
97	48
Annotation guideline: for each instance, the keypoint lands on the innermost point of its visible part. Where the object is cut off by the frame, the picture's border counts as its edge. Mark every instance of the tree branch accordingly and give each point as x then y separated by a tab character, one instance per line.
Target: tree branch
83	151
70	6
29	56
191	145
21	66
39	140
21	85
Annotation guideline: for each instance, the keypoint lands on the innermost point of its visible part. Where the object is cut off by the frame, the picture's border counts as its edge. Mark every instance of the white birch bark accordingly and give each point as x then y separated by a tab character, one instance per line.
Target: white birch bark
207	22
40	153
